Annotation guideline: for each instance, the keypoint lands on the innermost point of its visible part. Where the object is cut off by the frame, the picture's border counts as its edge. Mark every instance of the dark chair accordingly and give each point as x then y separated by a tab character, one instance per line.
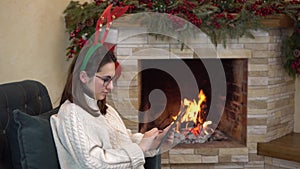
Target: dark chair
28	96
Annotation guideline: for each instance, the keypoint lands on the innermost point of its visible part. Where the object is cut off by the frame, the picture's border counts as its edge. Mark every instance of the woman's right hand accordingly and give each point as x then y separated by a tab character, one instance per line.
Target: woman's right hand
148	139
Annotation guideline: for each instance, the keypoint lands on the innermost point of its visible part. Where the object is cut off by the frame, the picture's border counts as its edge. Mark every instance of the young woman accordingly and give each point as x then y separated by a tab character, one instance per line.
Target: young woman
89	133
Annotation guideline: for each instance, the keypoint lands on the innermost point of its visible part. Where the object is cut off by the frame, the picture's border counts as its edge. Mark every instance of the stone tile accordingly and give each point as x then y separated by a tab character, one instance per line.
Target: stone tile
258	92
231	46
257	104
257	113
192	166
207	151
257	46
176	151
262	54
278	103
185	159
229	166
254	166
257	81
252	147
239	158
258	61
236	53
125	33
258	67
285	164
205	52
210	159
256	40
276	71
134	39
160	39
242	150
128	64
198	39
276	80
256	121
181	53
254	158
123	51
274	47
258	74
257	129
224	158
256	138
150	53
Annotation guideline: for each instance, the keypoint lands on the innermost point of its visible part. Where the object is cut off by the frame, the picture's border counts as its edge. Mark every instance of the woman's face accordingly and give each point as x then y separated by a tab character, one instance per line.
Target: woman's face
102	82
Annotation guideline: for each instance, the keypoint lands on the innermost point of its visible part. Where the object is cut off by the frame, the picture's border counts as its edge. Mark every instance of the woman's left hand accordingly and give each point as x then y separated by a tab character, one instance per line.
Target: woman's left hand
168	142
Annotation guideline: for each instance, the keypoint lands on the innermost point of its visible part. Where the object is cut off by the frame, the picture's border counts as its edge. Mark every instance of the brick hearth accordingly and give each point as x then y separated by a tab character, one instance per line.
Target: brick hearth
270	102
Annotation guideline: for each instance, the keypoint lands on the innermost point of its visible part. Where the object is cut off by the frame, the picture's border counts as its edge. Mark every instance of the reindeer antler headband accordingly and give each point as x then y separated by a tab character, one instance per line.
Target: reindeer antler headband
107	16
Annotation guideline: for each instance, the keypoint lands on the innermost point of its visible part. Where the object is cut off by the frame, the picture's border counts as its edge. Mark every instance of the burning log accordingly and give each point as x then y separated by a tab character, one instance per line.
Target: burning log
187	125
188	137
202	114
193	127
218	136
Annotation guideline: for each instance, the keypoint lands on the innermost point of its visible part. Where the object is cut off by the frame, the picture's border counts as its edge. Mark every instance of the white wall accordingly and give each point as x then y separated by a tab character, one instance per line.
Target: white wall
33	42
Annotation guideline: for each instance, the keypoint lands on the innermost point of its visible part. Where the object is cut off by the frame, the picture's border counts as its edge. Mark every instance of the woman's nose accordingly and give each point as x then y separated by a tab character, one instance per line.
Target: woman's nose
110	85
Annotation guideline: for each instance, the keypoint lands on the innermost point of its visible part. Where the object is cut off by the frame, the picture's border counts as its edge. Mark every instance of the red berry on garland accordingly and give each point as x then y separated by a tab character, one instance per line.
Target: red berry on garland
131	7
72	35
77	30
97	2
81	42
296	66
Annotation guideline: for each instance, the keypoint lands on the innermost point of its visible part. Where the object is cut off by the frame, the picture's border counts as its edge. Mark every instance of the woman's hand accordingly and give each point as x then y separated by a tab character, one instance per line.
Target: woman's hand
148	139
168	142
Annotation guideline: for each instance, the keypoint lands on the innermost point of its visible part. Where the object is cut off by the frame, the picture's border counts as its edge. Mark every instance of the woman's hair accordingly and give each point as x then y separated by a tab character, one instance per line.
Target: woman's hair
74	89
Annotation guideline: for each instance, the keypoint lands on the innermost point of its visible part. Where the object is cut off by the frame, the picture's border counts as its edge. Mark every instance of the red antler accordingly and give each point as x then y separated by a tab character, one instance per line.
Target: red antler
108	16
118	11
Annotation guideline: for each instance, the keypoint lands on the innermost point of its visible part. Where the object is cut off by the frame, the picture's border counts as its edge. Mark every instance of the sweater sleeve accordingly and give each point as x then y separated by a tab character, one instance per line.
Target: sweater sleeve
93	156
137	138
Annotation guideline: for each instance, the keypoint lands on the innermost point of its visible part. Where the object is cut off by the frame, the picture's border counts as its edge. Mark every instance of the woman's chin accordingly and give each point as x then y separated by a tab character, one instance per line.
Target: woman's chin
101	96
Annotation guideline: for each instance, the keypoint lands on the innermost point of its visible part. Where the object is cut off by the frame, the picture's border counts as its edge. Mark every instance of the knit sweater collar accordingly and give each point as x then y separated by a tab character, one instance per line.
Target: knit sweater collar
92	103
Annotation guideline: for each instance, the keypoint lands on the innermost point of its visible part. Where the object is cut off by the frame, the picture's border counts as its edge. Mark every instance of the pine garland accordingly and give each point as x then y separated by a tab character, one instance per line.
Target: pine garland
219	19
291	52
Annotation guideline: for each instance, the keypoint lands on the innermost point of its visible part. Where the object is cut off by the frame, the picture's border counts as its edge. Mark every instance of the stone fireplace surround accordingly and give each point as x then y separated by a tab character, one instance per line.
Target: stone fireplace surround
270	97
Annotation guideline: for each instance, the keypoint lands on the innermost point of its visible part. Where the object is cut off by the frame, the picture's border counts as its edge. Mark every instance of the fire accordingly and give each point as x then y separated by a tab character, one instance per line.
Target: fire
194	118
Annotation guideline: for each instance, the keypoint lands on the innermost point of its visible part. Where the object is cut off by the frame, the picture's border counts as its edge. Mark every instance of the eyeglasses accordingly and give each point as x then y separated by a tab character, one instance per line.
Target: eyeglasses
106	80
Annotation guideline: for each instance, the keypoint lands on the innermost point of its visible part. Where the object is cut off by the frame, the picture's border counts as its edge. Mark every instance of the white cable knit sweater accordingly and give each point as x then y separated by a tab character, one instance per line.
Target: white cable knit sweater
87	142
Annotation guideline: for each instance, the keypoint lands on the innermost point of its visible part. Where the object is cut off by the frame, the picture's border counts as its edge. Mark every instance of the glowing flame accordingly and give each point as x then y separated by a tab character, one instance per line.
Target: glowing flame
193	108
194	114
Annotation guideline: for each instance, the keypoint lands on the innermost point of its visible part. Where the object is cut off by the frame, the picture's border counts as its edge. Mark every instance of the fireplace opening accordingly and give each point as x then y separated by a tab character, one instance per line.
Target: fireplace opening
193	128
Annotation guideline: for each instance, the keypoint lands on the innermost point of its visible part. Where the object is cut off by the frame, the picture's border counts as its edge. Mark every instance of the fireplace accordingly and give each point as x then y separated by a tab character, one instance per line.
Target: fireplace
265	107
194	127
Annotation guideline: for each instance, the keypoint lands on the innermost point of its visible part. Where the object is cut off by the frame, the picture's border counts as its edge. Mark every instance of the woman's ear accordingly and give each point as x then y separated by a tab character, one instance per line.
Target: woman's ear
83	76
